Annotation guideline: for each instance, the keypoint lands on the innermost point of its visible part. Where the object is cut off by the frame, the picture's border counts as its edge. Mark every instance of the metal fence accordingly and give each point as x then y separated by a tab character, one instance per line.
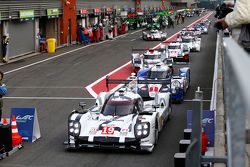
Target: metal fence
236	64
234	114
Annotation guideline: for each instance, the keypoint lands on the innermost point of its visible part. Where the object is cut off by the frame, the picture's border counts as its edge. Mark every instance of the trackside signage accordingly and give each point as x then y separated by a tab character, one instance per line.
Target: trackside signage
208	124
26	15
53	13
27	123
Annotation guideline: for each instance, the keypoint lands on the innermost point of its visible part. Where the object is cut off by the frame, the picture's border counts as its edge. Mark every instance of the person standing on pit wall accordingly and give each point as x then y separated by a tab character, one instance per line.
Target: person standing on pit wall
177	19
81	36
170	22
5	43
240	16
86	35
3	91
182	18
90	33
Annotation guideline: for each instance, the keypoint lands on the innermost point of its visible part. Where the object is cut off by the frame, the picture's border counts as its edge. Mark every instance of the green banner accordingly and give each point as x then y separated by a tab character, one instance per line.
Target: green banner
53	12
24	14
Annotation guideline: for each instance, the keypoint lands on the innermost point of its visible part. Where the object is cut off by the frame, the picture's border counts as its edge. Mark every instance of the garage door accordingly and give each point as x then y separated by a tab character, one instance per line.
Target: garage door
22	38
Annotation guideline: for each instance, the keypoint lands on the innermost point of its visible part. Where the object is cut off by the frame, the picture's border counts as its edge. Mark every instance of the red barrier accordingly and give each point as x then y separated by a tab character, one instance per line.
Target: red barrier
101	34
96	35
123	30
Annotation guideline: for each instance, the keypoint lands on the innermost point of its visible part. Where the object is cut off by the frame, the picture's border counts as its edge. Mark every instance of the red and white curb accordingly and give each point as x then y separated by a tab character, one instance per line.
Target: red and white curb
122	72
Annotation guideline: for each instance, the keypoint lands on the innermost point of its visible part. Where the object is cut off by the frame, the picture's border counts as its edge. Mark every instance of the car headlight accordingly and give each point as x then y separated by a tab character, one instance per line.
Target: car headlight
173	91
74	128
142	130
176	84
145	132
139	127
139	133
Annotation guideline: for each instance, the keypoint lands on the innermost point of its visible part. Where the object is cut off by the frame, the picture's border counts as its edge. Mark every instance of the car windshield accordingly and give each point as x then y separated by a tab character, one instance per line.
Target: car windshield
137	61
188	33
154	32
158	74
174	46
187	40
118	108
152	57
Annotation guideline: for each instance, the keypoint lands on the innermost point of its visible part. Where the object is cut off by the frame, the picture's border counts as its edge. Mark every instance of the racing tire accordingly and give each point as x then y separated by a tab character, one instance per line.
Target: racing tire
169	113
156	133
182	99
76	144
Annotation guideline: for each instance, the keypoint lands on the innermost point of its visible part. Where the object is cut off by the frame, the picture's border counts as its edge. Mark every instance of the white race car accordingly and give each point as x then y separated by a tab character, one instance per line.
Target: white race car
178	51
193	43
119	120
179	78
149	58
154	34
190	32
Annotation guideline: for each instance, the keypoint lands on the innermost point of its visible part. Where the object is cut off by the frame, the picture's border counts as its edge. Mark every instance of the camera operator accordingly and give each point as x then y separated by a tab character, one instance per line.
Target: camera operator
239	16
222	11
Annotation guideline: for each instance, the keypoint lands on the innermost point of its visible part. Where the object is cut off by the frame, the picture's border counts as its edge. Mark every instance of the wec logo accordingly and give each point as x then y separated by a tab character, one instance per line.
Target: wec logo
24	118
207	120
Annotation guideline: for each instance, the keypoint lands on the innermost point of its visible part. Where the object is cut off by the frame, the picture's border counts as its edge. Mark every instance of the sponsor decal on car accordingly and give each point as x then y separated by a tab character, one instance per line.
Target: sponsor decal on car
108	130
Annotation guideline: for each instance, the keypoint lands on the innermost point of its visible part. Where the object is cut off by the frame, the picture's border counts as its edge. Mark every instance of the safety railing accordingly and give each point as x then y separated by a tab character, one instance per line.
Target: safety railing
236	81
232	106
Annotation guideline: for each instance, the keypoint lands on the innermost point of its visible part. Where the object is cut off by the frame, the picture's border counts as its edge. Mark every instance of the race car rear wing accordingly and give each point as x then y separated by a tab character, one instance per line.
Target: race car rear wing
175	62
136	81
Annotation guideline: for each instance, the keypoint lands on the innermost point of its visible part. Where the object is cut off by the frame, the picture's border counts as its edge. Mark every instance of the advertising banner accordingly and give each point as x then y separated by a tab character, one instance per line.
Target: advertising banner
27	123
208	124
53	13
26	15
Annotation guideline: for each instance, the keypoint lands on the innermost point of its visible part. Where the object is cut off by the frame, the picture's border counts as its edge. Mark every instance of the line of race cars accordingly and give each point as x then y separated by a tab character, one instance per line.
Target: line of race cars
132	116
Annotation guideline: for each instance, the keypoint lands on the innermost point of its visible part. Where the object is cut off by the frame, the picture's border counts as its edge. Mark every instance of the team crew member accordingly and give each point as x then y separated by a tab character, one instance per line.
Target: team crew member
3	92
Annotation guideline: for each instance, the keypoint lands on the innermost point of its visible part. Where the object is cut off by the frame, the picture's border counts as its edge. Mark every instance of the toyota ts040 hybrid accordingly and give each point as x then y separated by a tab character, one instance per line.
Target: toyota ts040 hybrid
119	120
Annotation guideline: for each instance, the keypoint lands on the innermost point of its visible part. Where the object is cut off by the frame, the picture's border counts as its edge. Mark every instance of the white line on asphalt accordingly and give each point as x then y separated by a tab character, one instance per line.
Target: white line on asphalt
123	36
91	91
49	98
192	100
136	31
40	87
60	55
132	40
51	58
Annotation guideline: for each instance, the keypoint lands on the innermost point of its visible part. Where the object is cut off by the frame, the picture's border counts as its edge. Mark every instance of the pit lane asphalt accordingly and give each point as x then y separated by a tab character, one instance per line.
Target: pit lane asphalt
67	76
